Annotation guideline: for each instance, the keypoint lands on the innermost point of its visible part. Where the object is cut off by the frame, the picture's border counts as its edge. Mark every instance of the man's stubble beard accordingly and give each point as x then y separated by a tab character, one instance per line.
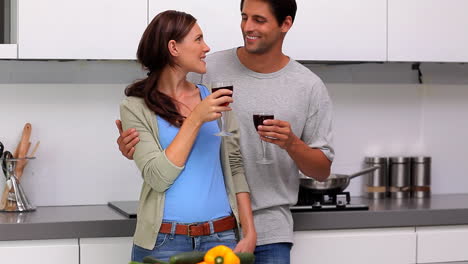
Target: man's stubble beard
259	50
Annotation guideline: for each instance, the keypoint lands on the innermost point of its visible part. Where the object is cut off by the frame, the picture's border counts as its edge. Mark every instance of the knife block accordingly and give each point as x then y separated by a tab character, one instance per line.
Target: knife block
14	198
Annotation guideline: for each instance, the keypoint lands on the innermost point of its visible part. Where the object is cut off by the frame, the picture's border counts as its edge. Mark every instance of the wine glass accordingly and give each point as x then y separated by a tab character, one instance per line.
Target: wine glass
258	118
215	86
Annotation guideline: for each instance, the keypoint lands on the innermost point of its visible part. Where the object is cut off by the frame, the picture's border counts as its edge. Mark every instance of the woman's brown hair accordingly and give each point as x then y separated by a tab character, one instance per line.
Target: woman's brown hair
153	55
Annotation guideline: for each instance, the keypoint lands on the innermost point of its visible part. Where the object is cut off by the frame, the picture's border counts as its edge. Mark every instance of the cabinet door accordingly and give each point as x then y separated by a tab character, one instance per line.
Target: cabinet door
219	20
343	30
427	30
58	251
84	29
116	250
359	246
442	244
8	51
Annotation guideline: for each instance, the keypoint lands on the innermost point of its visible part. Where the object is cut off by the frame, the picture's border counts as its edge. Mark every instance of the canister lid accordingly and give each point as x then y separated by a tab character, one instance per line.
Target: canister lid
421	159
400	159
375	160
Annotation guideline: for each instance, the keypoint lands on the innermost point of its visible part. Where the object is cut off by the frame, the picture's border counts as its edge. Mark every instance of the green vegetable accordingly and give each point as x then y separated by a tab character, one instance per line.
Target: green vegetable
246	258
187	258
152	260
193	258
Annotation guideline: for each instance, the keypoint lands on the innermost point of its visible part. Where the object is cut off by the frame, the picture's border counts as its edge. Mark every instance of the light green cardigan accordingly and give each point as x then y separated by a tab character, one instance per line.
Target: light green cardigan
159	173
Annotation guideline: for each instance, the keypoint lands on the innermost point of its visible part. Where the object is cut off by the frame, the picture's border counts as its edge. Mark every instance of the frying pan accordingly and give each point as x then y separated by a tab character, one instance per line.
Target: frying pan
335	183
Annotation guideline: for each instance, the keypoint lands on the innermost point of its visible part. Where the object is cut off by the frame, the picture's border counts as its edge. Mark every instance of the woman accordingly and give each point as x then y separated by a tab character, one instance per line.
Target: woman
194	190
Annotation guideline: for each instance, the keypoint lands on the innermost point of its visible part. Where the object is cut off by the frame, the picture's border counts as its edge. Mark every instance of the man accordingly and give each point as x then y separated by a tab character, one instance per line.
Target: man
265	79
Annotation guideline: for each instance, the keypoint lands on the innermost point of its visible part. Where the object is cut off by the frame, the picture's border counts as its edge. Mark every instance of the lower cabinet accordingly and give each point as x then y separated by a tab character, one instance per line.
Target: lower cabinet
434	244
115	250
360	246
54	251
442	244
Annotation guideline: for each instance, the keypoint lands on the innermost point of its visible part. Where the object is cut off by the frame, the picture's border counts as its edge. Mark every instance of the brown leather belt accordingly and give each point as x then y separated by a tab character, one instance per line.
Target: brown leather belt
200	229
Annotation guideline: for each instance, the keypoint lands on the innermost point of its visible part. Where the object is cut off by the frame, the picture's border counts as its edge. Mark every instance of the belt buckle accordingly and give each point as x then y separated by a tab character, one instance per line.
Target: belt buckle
189	233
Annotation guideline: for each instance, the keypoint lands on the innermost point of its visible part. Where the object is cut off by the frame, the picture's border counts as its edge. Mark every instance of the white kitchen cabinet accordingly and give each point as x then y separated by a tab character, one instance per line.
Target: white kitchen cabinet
343	30
357	246
442	244
56	251
8	47
428	30
80	29
219	21
115	250
8	51
323	30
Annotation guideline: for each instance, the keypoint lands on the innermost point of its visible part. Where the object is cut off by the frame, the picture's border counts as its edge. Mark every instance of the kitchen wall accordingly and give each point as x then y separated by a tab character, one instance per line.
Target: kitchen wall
380	109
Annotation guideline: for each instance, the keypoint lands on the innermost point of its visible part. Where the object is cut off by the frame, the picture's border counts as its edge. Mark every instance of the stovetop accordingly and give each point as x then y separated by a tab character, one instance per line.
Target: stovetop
308	201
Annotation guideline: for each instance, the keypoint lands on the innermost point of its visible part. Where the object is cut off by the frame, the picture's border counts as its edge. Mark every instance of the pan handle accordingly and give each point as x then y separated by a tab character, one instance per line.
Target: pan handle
367	170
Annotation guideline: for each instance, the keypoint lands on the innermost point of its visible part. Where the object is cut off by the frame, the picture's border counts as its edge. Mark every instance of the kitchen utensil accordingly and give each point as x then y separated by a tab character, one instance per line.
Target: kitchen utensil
421	177
4	199
16	200
400	179
6	155
33	152
31	155
22	150
24	140
377	181
12	196
335	183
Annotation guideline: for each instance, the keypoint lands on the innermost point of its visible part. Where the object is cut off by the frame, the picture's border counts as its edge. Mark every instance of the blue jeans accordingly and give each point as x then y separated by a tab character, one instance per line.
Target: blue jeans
168	245
277	253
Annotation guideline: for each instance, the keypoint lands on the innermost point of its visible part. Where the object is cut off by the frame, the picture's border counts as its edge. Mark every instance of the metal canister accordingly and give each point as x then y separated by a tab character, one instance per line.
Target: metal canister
400	177
377	181
421	177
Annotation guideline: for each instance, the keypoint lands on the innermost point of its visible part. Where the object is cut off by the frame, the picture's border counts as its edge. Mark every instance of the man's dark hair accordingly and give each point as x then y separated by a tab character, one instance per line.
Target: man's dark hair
280	9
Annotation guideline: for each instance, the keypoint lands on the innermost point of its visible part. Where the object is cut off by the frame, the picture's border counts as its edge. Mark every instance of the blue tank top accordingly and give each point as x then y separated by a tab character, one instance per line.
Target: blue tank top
199	193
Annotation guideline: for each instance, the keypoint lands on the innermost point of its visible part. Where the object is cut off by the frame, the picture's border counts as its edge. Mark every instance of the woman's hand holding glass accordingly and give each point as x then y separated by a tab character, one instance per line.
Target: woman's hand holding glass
211	107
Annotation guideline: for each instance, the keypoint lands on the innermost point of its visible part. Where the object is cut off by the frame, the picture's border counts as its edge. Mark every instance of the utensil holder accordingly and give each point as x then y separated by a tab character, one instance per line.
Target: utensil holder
16	200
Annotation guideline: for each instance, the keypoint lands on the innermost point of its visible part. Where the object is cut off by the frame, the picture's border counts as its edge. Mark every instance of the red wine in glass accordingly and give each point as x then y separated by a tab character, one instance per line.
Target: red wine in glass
215	86
231	88
259	118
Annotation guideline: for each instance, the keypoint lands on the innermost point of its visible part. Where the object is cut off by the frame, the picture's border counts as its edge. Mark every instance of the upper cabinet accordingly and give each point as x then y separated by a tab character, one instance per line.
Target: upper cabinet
8	51
219	20
85	29
8	47
343	30
324	30
428	30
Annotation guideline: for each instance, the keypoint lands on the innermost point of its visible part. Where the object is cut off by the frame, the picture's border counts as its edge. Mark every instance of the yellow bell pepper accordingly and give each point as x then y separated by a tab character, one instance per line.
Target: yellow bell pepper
221	255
